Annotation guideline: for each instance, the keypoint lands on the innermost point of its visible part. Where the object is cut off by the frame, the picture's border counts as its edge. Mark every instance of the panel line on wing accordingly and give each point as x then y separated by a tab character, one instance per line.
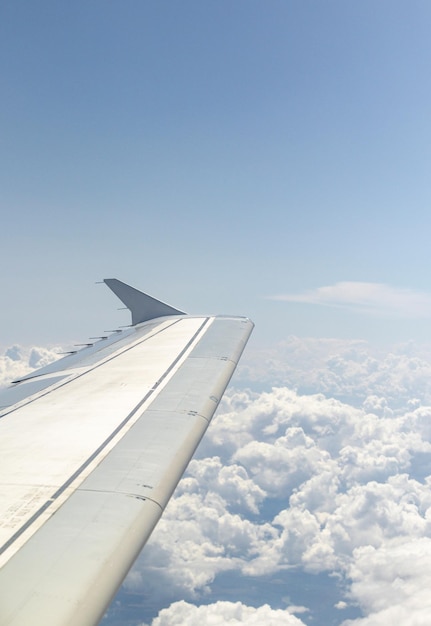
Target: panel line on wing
105	443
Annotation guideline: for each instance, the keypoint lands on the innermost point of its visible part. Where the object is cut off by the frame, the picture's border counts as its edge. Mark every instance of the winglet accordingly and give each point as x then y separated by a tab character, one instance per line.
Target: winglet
142	306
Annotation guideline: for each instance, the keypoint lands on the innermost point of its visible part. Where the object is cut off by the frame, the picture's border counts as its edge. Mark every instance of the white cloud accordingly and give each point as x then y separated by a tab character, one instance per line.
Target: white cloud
17	361
231	482
340	480
371	298
197	539
223	613
278	467
303	483
349	369
392	583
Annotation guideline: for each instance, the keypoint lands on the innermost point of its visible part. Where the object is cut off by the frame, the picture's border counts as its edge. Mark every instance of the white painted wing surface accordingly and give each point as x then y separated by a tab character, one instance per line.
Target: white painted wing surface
91	449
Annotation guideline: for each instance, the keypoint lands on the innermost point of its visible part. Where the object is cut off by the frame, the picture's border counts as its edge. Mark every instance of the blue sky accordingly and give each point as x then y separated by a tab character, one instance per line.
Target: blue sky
213	154
262	158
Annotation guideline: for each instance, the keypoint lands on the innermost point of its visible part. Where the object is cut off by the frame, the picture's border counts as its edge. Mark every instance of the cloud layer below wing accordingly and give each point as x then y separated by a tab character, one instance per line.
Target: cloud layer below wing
291	485
308	502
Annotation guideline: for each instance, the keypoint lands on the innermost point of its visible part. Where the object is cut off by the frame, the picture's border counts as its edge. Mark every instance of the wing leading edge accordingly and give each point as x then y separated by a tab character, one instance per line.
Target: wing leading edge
90	458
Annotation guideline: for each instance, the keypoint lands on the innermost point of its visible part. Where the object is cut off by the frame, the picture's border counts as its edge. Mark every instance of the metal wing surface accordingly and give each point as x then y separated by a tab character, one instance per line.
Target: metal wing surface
92	448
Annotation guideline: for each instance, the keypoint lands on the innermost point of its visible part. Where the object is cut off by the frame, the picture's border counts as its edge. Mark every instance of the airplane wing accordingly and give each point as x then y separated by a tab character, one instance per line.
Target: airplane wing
92	448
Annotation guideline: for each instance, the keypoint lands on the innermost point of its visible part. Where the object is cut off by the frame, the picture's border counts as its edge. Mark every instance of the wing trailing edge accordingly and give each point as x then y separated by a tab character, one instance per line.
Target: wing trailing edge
142	306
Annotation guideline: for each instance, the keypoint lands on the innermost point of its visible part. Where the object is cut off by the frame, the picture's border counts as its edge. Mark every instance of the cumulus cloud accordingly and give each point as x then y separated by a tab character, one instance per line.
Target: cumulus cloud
222	613
370	298
392	583
17	361
198	538
289	483
332	483
348	369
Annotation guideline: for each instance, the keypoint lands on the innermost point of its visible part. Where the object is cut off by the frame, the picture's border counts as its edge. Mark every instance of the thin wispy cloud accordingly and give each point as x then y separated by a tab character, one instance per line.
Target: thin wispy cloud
371	298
